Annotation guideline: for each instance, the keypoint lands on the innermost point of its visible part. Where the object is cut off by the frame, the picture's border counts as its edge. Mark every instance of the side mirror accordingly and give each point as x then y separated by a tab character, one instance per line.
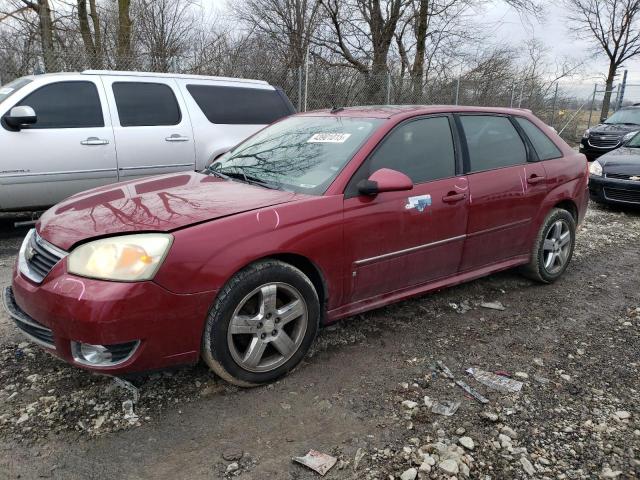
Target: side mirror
385	180
20	117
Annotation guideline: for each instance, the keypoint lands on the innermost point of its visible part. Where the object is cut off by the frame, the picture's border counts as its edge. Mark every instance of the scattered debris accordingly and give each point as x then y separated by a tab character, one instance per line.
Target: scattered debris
122	383
446	408
493	305
496	382
409	404
471	391
360	453
129	414
317	461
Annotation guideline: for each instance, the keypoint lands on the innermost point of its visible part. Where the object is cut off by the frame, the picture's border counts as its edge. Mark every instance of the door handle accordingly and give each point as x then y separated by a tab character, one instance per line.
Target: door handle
454	197
94	141
177	138
534	179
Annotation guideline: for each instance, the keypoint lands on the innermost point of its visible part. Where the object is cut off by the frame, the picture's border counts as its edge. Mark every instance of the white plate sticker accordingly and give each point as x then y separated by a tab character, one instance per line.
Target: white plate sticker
5	90
329	138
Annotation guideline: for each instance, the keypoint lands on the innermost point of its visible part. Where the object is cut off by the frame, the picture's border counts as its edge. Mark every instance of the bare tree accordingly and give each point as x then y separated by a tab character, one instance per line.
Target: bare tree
124	34
93	42
289	24
613	27
165	31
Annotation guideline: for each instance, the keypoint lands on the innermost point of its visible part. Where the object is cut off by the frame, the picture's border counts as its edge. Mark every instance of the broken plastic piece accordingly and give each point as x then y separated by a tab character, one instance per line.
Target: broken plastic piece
496	382
492	305
471	391
122	383
317	461
446	408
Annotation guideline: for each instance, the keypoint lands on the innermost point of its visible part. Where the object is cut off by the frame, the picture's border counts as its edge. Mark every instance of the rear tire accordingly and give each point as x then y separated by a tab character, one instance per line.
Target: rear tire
261	324
553	247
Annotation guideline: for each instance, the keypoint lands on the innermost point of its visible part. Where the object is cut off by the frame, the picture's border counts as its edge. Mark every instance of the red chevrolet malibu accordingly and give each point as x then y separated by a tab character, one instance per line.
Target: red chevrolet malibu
317	217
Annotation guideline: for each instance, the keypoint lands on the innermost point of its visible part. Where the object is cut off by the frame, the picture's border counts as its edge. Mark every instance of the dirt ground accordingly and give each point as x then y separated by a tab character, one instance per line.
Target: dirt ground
360	394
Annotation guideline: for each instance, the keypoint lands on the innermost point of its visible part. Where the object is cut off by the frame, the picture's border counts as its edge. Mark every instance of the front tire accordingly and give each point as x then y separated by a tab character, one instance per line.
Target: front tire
261	324
553	247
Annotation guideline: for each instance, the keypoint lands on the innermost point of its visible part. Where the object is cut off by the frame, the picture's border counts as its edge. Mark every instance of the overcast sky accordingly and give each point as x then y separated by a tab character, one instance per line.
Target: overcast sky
512	29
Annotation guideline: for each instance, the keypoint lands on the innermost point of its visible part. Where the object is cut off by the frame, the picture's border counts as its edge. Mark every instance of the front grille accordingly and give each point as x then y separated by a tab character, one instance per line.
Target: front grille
38	257
32	329
604	140
620	195
621	176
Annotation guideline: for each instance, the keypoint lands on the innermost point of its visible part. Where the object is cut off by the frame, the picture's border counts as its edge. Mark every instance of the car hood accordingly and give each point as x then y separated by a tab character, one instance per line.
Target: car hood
155	204
614	128
623	161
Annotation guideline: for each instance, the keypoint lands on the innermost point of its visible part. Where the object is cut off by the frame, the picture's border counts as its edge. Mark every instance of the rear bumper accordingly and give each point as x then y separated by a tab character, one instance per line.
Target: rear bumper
165	327
613	191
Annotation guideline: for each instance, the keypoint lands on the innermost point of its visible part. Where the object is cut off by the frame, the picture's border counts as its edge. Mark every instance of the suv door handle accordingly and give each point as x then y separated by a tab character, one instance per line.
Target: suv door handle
454	197
94	141
177	138
533	179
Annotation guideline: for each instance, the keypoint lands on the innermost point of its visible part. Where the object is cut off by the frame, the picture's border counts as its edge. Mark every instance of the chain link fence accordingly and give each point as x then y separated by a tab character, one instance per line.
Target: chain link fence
319	85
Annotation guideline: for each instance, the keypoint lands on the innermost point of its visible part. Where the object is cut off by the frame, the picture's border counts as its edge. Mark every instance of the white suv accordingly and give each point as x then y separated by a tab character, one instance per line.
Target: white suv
64	133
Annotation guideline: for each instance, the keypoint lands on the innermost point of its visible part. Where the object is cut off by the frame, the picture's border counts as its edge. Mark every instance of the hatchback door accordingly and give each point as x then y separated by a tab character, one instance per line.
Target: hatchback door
151	125
506	189
69	149
396	240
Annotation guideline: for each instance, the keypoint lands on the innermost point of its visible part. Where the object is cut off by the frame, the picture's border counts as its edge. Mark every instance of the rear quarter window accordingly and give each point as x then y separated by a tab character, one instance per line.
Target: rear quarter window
542	144
236	105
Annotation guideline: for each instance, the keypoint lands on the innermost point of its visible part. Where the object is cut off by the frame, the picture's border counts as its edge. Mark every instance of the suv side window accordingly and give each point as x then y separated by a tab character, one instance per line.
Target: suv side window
422	149
143	104
542	144
73	104
493	142
240	106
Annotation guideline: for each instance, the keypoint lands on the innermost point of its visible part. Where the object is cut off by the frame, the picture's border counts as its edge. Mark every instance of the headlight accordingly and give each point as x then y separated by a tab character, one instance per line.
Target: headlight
128	258
595	168
586	133
629	136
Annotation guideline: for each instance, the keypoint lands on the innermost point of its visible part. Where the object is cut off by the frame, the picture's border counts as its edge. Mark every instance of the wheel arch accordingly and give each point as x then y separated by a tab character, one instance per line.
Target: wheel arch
306	266
570	206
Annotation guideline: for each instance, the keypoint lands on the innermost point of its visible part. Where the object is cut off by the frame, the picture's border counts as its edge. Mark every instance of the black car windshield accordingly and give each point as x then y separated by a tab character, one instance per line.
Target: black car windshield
12	87
625	116
300	154
634	142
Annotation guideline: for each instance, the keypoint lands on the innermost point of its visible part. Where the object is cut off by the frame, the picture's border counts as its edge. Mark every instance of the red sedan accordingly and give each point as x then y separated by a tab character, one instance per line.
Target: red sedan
317	217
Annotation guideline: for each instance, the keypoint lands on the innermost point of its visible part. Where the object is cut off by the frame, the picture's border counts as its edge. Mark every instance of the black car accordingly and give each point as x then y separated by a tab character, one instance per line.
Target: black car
611	134
615	177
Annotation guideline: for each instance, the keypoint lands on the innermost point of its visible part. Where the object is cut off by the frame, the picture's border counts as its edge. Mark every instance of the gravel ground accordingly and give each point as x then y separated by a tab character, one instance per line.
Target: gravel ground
365	393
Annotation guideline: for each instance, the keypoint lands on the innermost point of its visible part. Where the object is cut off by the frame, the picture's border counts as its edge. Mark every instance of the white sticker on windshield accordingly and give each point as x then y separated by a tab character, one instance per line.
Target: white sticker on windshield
329	138
6	90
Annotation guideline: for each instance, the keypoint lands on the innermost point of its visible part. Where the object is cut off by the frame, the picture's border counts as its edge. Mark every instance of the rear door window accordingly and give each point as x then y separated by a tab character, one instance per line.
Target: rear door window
144	104
240	106
542	144
66	105
493	142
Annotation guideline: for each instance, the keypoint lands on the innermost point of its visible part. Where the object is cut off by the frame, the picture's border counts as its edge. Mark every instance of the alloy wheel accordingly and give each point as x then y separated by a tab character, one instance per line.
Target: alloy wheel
557	246
267	327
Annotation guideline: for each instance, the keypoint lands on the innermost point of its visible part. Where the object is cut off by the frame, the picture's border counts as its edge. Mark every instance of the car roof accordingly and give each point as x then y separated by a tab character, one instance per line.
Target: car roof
389	111
151	75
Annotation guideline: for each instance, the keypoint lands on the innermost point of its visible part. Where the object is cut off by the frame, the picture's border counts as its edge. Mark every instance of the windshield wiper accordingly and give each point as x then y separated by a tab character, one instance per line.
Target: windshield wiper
241	175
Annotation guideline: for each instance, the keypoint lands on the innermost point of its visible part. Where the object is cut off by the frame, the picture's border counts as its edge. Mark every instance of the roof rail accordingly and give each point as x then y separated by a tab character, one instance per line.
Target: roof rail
172	75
